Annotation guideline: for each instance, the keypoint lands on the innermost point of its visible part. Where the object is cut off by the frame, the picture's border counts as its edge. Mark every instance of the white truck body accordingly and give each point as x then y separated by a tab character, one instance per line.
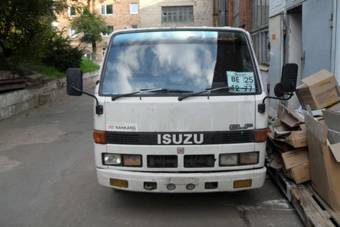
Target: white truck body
161	125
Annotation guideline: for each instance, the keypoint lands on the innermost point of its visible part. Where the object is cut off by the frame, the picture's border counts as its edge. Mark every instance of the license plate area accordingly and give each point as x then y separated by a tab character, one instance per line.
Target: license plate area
183	181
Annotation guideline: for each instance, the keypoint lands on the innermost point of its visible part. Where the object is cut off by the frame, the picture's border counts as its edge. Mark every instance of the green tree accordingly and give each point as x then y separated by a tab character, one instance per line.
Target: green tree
91	25
23	24
28	40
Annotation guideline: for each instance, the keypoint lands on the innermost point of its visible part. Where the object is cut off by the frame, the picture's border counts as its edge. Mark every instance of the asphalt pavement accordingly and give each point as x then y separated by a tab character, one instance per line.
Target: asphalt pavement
47	178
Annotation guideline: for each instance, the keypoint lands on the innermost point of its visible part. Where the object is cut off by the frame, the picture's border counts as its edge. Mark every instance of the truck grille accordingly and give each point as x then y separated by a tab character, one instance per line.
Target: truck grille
199	161
150	138
162	161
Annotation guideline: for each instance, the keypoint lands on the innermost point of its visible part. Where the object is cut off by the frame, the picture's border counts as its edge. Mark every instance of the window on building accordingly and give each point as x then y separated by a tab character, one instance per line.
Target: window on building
109	30
134	8
107	9
177	14
260	34
72	32
72	11
134	26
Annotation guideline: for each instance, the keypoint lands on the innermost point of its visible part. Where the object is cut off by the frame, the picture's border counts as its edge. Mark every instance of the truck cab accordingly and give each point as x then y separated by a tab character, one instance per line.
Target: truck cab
177	111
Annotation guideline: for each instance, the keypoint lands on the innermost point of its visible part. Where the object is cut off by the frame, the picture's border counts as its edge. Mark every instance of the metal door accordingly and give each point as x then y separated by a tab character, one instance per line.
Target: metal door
317	35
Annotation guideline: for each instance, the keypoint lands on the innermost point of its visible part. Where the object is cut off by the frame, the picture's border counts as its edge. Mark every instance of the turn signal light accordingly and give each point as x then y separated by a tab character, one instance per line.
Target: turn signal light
119	183
99	137
243	183
261	135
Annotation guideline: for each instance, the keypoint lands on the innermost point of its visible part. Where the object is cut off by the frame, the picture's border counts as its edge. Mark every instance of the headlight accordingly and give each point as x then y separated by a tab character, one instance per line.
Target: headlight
132	160
129	160
112	159
228	159
249	158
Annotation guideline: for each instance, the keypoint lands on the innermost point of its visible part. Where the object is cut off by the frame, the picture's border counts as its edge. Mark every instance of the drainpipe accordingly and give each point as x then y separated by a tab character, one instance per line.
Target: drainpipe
216	13
285	27
335	53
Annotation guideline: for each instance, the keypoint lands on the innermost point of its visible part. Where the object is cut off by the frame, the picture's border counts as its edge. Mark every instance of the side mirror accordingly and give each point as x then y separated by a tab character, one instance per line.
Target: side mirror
74	82
279	90
288	80
286	86
74	87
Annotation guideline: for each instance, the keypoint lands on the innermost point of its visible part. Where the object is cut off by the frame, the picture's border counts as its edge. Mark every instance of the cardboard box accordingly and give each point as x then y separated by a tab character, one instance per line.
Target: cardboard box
294	158
278	144
324	160
299	174
289	117
332	117
335	107
333	136
296	138
319	90
296	165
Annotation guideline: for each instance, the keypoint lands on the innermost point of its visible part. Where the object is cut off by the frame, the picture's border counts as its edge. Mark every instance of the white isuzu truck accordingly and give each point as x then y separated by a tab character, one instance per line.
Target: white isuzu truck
178	110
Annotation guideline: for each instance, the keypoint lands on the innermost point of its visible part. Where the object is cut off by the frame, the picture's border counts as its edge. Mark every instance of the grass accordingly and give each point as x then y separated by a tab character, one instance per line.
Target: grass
26	68
48	71
86	65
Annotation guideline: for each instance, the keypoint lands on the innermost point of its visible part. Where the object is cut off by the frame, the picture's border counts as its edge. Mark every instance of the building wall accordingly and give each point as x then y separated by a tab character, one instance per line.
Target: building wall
63	22
239	13
309	35
120	19
220	12
246	14
150	12
301	34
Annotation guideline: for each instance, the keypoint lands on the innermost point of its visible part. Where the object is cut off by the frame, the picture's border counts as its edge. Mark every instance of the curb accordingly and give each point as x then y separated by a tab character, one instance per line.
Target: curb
16	102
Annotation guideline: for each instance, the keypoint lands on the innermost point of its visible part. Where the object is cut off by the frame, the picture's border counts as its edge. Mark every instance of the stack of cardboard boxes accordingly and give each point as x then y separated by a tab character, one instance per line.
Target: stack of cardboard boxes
289	138
308	146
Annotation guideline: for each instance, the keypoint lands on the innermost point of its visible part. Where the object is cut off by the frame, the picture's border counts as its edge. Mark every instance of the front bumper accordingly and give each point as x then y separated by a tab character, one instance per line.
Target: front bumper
225	180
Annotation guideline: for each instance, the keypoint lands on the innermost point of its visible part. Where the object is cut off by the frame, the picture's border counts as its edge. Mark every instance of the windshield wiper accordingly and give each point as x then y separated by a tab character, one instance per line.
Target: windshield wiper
135	93
180	98
208	90
166	90
141	91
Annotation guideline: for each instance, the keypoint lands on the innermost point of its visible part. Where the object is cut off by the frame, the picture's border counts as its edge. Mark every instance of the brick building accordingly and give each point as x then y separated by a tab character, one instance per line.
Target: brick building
234	13
171	13
118	15
240	13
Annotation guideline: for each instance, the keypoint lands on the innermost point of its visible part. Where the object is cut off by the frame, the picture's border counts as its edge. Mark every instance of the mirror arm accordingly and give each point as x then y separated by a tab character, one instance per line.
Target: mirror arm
262	106
99	108
278	98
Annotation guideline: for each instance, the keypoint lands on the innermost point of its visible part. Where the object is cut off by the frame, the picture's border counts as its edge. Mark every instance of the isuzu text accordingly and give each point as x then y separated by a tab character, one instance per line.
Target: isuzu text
178	110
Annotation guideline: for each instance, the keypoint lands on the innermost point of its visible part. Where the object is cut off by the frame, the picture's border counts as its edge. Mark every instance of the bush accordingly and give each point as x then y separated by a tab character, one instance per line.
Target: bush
61	55
48	71
86	65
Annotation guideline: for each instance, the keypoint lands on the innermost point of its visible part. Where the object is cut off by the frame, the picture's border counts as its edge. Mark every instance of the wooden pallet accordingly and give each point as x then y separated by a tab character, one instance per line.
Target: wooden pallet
282	182
312	209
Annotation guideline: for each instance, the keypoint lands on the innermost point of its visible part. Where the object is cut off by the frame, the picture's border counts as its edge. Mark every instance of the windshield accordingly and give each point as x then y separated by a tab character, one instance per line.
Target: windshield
179	60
